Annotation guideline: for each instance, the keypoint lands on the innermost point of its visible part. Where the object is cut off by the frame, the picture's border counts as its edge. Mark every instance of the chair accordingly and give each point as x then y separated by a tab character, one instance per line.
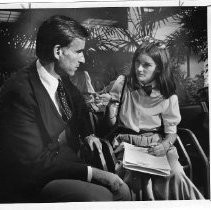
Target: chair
195	138
187	145
199	162
195	117
184	158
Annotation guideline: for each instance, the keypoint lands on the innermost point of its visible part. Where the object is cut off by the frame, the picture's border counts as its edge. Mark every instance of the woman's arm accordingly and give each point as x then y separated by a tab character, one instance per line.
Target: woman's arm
113	105
171	118
111	113
169	140
162	147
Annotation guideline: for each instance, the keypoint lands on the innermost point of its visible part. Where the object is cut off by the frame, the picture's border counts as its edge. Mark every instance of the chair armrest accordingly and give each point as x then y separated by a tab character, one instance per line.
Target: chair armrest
103	161
196	144
199	149
187	157
108	144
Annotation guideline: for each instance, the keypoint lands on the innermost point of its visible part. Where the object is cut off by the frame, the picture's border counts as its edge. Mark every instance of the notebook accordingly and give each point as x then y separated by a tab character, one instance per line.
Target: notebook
137	159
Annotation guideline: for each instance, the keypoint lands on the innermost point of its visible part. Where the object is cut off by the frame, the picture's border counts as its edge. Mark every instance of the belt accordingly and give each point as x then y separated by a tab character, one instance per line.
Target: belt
123	130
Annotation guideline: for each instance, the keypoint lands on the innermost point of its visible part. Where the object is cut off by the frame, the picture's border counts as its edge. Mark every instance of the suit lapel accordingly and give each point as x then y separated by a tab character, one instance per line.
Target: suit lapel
44	102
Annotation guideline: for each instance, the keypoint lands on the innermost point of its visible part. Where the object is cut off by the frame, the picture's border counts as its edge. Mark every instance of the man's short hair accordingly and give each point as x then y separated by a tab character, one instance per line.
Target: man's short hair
57	30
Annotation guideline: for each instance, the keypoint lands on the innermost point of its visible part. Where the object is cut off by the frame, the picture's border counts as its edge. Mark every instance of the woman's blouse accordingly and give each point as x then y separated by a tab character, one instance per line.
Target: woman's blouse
142	112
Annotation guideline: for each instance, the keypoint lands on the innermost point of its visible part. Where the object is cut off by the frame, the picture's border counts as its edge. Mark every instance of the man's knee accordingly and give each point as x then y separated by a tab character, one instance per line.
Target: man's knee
123	194
74	190
99	193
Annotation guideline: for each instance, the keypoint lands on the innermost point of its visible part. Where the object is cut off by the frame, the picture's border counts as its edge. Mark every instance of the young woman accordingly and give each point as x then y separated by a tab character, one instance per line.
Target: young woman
149	105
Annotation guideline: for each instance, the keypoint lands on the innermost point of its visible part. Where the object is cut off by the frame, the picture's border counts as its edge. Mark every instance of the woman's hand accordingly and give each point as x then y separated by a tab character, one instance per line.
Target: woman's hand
105	97
157	149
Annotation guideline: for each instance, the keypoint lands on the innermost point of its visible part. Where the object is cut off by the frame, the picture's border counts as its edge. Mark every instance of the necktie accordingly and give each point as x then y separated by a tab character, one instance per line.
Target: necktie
147	89
64	107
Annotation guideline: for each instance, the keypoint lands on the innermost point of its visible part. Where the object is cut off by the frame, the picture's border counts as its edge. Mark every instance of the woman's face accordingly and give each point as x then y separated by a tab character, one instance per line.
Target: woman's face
145	68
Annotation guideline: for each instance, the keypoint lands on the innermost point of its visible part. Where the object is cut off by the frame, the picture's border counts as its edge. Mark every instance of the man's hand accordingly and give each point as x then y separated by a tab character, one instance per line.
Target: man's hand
93	140
157	149
62	138
110	180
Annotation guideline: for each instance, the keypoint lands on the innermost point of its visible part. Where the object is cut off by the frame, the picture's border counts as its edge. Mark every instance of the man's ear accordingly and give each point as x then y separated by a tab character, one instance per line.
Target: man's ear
57	51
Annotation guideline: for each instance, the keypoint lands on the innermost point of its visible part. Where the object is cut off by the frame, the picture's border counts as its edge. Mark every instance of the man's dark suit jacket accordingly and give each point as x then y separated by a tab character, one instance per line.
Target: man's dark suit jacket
30	125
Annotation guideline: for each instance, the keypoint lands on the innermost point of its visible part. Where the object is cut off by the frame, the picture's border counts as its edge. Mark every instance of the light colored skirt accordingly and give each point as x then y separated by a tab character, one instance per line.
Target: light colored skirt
176	186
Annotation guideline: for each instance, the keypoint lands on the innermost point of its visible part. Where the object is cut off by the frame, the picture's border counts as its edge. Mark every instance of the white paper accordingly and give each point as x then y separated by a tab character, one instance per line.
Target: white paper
137	159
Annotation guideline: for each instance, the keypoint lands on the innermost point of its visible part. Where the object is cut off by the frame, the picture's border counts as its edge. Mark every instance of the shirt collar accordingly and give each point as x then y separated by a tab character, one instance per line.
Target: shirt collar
50	82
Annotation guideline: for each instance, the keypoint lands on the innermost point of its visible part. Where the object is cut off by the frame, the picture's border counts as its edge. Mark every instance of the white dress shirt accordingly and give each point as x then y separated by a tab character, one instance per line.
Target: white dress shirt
51	83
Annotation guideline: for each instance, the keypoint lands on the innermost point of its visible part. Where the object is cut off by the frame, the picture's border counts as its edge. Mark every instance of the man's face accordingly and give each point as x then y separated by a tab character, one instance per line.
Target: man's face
70	58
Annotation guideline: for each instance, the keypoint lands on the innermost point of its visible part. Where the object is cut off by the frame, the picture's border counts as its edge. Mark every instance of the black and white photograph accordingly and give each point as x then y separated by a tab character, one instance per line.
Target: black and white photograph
104	102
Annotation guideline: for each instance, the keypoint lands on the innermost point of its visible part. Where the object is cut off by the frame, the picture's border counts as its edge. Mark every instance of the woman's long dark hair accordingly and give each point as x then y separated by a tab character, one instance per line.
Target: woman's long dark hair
163	77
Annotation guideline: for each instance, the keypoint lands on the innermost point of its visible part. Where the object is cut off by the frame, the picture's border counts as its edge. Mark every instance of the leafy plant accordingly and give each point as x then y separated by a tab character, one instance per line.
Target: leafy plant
192	34
110	49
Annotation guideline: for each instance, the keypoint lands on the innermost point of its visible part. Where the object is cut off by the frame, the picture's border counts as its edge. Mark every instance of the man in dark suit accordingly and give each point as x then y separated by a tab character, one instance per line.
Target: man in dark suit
42	115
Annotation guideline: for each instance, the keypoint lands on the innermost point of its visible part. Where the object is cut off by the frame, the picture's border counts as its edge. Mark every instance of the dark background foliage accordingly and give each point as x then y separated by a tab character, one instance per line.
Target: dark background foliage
110	47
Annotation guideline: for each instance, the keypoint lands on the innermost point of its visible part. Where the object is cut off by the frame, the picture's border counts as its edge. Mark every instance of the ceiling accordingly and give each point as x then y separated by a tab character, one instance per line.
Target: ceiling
27	20
9	16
